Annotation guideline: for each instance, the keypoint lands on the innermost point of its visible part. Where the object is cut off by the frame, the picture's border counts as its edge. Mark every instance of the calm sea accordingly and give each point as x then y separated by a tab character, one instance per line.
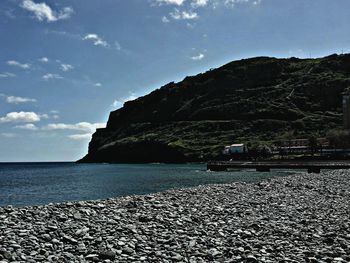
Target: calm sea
23	184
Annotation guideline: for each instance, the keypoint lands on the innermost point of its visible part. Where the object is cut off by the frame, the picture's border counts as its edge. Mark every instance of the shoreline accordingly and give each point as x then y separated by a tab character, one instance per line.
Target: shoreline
96	182
294	218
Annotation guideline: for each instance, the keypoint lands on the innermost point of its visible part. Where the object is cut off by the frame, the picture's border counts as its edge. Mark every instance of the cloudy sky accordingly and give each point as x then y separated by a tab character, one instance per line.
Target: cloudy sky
64	65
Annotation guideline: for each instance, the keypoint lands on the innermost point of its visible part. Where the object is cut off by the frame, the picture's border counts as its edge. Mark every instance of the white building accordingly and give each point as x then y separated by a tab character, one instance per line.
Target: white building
235	148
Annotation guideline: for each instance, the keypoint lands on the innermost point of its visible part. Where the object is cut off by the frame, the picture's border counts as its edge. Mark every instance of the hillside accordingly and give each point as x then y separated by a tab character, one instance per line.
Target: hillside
252	100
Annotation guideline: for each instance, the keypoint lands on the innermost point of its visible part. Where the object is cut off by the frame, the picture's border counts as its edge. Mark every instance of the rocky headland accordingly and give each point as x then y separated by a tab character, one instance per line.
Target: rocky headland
258	100
299	218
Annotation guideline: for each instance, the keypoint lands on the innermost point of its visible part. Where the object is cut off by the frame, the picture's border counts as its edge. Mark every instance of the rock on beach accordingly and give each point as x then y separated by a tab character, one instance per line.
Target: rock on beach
298	218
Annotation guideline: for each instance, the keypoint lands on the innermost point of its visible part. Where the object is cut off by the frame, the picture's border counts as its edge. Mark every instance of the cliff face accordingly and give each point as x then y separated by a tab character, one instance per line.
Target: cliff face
258	99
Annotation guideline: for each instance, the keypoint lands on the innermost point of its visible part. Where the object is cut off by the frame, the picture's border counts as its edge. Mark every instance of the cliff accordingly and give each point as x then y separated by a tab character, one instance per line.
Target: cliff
259	99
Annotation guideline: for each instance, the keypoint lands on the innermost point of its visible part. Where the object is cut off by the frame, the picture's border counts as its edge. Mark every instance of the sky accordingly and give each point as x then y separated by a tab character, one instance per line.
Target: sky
65	65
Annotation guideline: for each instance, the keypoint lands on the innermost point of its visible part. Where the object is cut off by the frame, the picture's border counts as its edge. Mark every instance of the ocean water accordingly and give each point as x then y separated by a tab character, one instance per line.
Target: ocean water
23	184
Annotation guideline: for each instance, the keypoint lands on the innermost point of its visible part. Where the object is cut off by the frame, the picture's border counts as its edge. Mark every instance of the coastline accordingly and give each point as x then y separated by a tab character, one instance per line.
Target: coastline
301	217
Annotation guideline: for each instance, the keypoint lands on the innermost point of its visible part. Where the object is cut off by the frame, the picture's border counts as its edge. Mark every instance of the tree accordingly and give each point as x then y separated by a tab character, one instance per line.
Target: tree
339	139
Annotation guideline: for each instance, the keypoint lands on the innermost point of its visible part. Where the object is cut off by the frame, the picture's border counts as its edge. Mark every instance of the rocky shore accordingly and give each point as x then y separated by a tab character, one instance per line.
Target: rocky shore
299	218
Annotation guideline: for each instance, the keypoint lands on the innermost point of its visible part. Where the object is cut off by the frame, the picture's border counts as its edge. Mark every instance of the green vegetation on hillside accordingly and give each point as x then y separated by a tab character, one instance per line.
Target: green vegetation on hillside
253	100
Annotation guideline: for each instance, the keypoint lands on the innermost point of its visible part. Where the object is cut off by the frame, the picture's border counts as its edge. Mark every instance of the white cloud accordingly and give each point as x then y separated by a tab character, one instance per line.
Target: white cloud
119	102
117	45
98	85
81	126
64	34
233	3
66	13
199	3
15	63
54	114
7	75
95	39
88	128
51	76
44	12
189	15
189	25
188	9
169	2
20	117
17	100
200	56
165	19
28	126
43	59
98	41
66	67
44	116
184	15
85	136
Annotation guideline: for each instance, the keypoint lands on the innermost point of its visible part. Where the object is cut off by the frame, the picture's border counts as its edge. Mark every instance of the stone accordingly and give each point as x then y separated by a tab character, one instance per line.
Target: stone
7	255
107	254
77	216
251	259
297	218
177	257
338	259
46	237
128	250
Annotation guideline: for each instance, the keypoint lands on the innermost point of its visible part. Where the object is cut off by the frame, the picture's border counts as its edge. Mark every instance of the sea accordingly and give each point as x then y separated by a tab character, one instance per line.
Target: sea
33	184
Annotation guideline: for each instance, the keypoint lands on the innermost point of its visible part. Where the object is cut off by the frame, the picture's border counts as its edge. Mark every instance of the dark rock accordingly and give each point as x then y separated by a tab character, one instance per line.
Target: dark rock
128	250
7	255
145	219
107	254
251	259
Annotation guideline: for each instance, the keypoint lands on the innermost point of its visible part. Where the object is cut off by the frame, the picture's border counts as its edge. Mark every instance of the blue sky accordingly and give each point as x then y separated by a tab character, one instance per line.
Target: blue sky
64	65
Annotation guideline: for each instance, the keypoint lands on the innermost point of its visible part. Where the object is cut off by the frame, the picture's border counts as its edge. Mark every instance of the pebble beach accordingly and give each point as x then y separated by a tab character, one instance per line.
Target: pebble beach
297	218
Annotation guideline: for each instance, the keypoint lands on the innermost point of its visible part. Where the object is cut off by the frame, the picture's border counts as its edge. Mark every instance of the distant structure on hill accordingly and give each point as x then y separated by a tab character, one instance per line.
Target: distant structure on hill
301	145
346	111
237	148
